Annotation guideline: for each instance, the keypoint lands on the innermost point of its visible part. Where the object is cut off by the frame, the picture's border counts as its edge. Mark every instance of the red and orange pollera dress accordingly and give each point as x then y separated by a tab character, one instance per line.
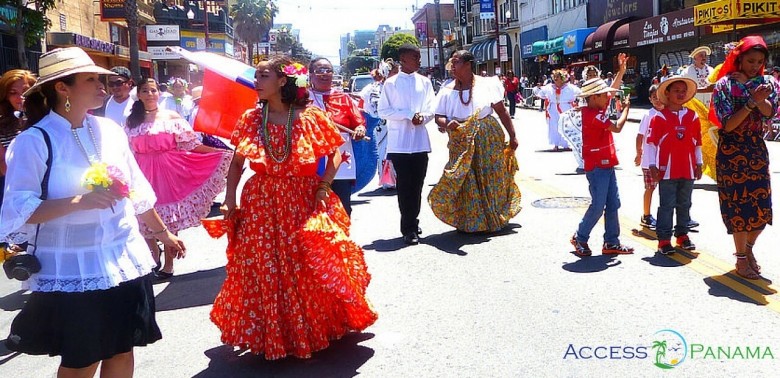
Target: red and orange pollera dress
295	280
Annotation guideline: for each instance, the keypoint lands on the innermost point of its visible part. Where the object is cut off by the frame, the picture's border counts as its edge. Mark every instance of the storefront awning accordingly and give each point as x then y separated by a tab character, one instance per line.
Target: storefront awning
486	50
736	12
620	40
551	46
601	39
574	40
528	38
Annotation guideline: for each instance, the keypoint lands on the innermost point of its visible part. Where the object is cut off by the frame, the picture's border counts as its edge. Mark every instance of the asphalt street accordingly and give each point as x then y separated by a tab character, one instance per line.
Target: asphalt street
513	304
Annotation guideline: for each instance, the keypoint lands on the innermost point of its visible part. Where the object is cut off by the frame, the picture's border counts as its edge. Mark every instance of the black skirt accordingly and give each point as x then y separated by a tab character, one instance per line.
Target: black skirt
87	327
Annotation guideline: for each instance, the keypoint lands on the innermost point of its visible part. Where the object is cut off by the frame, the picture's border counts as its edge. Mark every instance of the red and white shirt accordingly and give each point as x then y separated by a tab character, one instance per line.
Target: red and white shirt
674	144
598	147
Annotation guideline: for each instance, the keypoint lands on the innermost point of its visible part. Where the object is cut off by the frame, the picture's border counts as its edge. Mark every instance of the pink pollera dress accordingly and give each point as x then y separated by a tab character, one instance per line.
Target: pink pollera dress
185	182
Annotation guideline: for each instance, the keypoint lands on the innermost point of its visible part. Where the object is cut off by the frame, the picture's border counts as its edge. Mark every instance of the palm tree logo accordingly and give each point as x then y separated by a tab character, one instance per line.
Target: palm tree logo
673	342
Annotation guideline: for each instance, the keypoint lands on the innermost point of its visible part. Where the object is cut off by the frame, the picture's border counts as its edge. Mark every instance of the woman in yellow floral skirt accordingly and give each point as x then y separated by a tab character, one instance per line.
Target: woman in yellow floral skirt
477	191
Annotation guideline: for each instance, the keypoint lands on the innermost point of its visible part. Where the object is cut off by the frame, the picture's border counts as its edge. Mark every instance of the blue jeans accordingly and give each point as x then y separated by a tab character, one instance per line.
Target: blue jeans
674	195
605	199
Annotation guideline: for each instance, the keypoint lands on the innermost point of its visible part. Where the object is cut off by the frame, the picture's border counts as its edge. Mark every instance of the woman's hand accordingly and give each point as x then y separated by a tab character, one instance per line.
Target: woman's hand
360	133
227	208
97	199
761	93
655	173
174	243
513	143
319	197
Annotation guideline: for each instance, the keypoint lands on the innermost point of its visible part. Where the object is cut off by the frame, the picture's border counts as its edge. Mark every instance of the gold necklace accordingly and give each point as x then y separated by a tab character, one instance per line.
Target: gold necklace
267	139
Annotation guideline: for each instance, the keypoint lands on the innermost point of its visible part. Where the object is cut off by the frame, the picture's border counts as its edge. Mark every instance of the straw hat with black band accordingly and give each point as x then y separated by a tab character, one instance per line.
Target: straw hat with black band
666	82
595	86
62	62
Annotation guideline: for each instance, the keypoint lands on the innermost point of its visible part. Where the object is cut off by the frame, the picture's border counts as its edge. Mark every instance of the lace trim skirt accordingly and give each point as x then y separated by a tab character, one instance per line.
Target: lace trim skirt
86	327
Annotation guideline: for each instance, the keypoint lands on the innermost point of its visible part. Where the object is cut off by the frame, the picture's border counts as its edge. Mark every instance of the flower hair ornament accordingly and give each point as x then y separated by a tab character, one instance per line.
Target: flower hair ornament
298	72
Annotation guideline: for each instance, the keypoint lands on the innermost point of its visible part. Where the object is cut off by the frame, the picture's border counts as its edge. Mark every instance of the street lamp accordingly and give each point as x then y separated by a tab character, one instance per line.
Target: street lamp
191	16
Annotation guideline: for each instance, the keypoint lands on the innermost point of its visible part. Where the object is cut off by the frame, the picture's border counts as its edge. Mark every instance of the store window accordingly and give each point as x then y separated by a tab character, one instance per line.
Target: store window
119	35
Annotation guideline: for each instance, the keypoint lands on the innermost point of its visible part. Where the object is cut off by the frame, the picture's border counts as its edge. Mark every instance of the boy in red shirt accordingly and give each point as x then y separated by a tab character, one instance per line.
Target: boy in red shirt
674	146
598	154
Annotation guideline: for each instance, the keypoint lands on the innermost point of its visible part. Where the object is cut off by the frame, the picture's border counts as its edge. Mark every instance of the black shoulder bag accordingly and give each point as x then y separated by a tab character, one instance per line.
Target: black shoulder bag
23	265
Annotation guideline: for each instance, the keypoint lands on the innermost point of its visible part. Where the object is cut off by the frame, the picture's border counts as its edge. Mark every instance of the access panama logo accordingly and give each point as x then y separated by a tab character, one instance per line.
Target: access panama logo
668	350
671	349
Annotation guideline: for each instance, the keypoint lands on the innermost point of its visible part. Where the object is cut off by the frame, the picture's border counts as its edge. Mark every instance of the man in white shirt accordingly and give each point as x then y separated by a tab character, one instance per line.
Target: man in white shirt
120	103
699	71
407	103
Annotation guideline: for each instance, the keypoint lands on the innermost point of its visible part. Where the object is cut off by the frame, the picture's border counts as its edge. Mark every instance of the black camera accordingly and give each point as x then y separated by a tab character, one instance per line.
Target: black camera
20	266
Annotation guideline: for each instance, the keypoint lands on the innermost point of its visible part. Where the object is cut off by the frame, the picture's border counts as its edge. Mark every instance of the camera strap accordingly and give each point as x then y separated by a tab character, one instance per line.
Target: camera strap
45	181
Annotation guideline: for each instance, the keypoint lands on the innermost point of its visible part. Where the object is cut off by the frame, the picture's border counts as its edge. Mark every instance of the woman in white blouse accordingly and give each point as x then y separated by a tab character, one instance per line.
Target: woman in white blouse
477	191
92	300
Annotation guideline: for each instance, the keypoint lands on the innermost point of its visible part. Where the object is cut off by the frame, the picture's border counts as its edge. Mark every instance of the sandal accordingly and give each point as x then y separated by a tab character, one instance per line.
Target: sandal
743	268
752	259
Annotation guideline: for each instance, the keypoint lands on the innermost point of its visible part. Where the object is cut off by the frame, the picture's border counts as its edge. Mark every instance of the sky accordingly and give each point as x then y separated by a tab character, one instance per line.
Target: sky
322	22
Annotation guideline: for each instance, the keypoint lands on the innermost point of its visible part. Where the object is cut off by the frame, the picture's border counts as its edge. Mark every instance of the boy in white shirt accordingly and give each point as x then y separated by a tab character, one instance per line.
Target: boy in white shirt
407	103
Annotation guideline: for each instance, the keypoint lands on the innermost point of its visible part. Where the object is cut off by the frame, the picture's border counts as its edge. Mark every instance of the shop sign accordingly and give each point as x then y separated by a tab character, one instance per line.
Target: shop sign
463	18
112	10
603	11
741	11
668	27
196	41
6	13
162	33
162	53
486	10
94	44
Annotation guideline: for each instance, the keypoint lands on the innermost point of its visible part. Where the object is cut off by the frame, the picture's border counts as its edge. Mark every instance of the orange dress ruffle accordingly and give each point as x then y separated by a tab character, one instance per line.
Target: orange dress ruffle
295	280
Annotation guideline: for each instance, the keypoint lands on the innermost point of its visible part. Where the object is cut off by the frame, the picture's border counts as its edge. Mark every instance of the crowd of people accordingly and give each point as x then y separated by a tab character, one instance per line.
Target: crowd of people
97	188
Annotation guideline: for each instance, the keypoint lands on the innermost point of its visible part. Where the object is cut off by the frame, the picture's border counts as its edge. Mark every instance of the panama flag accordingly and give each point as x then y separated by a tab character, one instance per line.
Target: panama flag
228	91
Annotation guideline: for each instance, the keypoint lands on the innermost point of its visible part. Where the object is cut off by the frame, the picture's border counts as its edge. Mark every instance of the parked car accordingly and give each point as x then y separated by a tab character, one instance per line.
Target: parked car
358	82
337	81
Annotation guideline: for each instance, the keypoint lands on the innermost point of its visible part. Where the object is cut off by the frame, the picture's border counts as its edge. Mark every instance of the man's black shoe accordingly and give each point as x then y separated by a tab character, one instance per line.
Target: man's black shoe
411	239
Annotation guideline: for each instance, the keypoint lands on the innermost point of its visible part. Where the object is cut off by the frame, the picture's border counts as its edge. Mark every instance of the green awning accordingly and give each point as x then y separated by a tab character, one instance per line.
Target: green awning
547	47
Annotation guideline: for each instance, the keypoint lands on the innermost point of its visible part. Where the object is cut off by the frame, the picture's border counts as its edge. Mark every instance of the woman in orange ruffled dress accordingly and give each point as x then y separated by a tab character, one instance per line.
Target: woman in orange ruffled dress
295	280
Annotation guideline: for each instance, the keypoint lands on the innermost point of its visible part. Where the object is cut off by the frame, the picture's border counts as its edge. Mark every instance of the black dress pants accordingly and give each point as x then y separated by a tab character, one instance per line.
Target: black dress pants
410	172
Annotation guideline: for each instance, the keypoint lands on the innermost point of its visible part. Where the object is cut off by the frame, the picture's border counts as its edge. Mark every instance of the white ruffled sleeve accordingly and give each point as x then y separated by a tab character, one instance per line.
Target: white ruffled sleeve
186	138
26	158
497	90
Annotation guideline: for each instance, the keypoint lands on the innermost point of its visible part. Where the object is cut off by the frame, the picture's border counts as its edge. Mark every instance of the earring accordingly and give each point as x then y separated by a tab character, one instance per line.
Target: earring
67	104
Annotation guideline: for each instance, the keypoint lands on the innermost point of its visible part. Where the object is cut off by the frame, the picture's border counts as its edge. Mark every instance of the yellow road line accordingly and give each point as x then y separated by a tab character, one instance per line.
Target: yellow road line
759	291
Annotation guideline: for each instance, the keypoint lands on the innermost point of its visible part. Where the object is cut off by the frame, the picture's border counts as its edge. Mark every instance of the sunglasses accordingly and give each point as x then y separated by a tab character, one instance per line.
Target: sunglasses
116	83
323	71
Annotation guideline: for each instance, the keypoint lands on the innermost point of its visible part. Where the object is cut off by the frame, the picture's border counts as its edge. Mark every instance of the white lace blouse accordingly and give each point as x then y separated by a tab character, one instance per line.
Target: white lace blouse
487	91
84	250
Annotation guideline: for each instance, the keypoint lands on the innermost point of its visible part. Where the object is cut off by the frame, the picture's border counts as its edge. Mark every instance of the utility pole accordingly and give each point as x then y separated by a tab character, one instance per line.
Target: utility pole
439	36
498	36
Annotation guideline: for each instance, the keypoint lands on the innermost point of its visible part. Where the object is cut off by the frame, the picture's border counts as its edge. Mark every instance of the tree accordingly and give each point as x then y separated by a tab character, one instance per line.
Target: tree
29	23
390	48
351	46
252	19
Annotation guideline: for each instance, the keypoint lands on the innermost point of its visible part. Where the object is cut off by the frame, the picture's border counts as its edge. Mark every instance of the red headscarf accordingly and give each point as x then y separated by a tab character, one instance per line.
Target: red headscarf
745	44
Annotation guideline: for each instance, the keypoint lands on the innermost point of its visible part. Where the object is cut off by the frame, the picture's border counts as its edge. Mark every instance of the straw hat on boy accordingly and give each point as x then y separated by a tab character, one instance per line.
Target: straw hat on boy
666	82
595	86
59	63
